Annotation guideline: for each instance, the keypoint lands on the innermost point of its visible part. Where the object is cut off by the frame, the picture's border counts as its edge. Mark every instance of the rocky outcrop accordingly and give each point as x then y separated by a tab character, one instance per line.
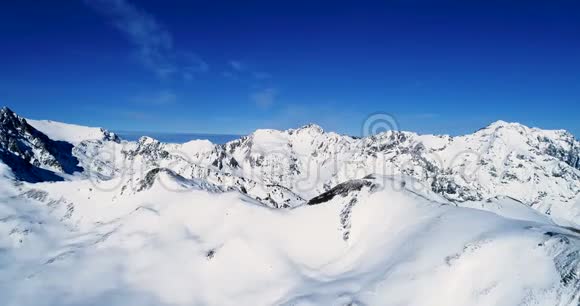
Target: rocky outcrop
30	154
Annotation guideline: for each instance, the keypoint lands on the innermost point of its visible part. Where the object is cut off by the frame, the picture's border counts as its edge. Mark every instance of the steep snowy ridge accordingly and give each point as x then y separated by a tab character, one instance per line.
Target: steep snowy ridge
30	154
534	166
114	166
71	133
300	217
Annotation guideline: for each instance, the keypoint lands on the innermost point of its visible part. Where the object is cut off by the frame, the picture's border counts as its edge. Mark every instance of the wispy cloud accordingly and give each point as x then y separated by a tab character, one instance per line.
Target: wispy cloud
264	98
230	75
136	115
263	92
159	98
424	115
154	44
238	70
261	75
237	65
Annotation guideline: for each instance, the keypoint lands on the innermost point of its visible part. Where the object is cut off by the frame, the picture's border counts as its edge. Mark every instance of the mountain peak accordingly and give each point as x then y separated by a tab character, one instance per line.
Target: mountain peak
146	140
7	112
502	123
10	120
311	127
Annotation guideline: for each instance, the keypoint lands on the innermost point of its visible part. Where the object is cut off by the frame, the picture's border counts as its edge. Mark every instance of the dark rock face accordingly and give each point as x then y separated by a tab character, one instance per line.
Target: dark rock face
342	189
448	188
24	171
570	156
30	154
151	176
149	148
110	136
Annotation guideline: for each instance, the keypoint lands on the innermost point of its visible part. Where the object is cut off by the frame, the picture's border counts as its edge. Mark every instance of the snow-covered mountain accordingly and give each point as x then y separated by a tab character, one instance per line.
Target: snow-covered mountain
71	133
295	217
536	167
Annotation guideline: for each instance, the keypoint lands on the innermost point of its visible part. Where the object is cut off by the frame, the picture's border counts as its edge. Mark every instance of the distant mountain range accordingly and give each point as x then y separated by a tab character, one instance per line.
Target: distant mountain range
177	137
539	168
294	217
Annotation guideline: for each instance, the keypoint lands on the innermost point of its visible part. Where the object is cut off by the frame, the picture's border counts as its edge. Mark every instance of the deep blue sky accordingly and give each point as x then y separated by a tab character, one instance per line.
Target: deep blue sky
231	67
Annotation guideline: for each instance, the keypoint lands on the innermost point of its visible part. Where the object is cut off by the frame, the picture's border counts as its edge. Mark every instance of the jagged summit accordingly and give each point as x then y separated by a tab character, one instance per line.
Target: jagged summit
147	140
9	119
502	123
5	110
311	127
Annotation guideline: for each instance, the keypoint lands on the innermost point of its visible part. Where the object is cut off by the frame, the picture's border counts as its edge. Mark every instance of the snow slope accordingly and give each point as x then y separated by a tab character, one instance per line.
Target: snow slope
300	217
70	133
197	247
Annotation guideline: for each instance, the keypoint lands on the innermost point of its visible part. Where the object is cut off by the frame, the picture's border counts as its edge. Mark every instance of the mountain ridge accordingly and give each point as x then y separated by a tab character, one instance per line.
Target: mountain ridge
537	167
294	218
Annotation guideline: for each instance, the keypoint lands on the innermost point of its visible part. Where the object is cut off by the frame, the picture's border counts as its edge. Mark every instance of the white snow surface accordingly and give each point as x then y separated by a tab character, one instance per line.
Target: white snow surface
301	217
196	247
70	133
5	171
